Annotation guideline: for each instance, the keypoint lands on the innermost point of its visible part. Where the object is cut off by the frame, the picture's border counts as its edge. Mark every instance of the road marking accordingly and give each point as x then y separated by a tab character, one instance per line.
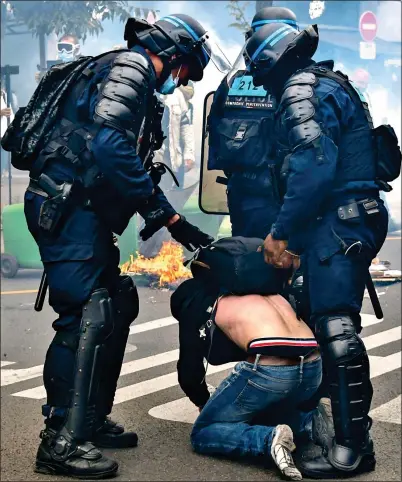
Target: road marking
183	410
382	338
6	363
152	325
134	366
11	375
380	365
18	292
369	320
388	412
157	384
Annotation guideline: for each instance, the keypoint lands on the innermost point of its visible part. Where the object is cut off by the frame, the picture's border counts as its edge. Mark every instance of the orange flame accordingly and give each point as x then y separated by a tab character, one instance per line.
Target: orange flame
168	264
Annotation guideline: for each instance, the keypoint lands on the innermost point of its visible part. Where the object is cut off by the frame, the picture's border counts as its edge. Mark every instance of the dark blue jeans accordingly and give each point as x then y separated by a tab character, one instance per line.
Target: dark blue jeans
225	425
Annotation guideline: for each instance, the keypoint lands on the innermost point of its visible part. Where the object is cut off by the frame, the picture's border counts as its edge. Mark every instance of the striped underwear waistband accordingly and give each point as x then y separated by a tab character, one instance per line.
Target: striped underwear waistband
283	346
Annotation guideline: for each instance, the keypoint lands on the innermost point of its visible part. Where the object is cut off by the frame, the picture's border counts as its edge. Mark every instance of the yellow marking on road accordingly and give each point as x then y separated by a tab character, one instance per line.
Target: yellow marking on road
20	292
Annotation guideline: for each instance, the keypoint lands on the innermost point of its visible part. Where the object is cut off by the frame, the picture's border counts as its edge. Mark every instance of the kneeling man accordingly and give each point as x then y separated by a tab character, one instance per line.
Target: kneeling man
280	368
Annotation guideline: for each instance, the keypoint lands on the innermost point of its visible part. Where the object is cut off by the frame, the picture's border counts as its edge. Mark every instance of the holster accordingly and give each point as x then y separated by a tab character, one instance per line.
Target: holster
58	199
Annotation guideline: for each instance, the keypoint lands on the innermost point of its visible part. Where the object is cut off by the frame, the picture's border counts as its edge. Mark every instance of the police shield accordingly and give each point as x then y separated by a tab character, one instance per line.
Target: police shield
212	192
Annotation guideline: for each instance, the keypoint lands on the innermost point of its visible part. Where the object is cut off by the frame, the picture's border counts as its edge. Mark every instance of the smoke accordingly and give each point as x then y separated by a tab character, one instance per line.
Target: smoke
389	21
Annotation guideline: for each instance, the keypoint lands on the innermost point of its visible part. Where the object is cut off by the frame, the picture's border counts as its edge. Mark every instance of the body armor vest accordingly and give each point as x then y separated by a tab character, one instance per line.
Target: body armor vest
356	150
71	140
241	124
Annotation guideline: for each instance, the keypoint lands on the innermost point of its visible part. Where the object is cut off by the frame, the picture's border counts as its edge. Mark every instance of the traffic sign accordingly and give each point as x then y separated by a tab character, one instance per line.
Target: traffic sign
368	26
367	50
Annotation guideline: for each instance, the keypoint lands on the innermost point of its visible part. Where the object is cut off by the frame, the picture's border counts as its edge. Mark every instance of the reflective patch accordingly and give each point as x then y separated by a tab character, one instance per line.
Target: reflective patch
243	86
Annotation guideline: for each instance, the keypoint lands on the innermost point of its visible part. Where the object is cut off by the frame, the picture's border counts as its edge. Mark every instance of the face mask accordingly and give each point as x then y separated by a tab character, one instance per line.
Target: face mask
170	84
66	56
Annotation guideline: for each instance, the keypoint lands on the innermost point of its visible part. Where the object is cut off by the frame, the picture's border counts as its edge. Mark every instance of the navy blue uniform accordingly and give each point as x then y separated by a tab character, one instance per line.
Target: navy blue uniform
241	139
324	174
332	207
81	256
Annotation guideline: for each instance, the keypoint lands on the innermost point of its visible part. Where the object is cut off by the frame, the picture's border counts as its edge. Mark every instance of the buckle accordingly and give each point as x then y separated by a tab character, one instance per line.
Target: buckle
64	150
370	204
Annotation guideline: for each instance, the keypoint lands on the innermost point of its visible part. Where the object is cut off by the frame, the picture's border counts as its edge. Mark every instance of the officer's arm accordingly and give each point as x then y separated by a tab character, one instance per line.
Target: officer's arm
313	130
120	110
120	164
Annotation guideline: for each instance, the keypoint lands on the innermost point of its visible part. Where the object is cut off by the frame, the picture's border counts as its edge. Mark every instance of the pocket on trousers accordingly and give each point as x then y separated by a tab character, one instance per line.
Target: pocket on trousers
256	397
68	252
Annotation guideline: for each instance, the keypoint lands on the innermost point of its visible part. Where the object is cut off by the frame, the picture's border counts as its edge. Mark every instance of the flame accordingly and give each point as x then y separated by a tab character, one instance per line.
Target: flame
168	264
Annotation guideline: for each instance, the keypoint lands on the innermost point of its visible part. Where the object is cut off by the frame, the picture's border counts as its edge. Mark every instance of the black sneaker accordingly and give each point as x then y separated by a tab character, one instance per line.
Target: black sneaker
57	456
110	434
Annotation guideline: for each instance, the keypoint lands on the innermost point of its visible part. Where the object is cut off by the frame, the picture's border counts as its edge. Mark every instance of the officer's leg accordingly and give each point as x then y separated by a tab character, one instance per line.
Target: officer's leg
73	260
125	307
337	287
65	449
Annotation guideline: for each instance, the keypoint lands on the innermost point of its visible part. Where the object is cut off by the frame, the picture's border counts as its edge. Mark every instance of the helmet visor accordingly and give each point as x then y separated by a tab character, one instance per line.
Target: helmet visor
213	51
239	64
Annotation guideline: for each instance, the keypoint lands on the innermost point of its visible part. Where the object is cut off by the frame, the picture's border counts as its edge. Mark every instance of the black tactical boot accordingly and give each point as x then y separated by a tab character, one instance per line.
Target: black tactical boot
323	466
110	434
79	460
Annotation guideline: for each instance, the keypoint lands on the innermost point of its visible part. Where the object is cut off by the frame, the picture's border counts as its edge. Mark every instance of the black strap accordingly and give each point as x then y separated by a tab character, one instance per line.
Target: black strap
344	81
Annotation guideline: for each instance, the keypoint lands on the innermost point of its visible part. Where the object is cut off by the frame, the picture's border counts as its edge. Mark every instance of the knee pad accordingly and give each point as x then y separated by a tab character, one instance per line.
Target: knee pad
126	301
338	338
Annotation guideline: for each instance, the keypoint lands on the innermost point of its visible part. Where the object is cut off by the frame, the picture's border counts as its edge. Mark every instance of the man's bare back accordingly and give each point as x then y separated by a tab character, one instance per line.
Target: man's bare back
246	318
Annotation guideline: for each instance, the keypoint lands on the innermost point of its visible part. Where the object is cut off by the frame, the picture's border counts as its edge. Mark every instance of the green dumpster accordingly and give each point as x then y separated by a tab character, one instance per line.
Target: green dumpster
21	251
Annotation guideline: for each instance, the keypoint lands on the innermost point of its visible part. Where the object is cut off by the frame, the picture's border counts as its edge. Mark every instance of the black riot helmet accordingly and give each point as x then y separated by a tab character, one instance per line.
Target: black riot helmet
179	36
277	50
265	16
272	15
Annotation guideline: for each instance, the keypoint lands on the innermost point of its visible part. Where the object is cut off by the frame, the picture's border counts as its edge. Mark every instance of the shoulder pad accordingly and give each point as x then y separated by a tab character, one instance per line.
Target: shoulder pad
296	93
115	114
133	59
297	113
303	134
124	93
302	78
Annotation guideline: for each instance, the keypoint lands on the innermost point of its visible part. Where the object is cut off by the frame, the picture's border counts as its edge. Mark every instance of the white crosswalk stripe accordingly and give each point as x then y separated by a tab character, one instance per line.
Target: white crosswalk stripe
181	409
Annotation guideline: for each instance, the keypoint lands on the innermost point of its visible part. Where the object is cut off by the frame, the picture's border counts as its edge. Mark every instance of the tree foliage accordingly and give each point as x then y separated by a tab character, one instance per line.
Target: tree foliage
79	18
238	11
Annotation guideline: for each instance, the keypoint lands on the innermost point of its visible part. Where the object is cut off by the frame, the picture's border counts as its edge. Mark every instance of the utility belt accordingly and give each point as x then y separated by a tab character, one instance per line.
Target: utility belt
59	198
353	209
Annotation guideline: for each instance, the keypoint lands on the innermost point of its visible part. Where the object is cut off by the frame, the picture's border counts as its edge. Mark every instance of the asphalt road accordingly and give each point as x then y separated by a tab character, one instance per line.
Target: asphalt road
149	399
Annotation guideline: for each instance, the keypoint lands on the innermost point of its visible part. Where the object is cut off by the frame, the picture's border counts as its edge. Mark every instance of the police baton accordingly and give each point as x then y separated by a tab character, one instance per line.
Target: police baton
374	297
40	297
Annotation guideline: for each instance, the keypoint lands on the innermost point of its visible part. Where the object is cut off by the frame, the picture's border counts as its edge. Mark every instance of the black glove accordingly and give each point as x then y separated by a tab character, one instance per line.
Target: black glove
153	223
189	235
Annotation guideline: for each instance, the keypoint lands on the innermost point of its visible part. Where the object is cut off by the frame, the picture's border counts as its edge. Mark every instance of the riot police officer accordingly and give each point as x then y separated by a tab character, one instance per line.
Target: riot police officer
241	140
334	173
90	178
